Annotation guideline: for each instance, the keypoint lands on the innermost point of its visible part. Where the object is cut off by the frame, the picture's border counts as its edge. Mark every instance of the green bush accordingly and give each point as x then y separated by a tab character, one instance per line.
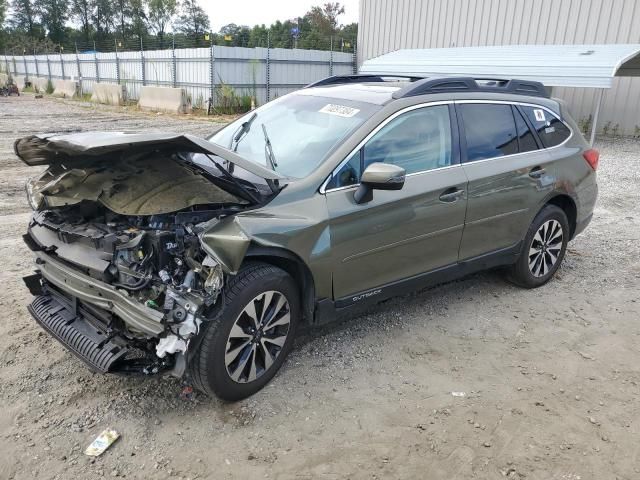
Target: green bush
227	101
50	88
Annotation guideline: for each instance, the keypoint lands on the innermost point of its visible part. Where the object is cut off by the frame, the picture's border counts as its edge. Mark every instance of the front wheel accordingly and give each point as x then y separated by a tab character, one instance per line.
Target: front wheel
244	347
543	248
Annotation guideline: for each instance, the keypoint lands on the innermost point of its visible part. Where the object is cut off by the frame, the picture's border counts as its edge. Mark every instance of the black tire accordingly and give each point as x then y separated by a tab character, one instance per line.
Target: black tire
208	368
521	272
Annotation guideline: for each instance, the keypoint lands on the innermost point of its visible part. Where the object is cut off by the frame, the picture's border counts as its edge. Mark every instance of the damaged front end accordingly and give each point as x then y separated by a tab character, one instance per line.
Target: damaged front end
122	279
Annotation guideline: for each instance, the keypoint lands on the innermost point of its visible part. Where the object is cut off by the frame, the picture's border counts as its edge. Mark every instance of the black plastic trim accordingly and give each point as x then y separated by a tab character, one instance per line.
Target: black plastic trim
359	78
469	84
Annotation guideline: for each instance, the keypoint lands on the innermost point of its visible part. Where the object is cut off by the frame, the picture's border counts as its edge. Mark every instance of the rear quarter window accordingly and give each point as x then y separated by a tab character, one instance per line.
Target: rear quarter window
550	129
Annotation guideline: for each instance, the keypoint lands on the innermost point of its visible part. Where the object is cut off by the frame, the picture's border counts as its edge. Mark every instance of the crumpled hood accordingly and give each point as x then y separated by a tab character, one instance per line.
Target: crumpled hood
82	149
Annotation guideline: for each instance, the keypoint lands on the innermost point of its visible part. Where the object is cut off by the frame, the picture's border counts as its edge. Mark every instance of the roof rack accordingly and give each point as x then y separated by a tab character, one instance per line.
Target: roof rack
360	78
468	84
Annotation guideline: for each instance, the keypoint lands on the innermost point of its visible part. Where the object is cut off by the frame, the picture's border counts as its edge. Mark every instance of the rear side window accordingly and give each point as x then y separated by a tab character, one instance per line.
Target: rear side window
525	138
489	129
550	129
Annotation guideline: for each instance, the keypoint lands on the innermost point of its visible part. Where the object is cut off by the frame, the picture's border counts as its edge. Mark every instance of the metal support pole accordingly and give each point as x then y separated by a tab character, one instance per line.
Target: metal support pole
48	66
594	125
355	59
174	66
144	74
117	63
35	60
26	70
331	57
79	70
62	66
15	67
212	74
95	61
268	85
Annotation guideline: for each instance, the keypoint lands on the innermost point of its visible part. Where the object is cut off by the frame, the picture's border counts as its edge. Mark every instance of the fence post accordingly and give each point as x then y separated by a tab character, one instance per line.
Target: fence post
62	65
331	57
35	60
48	66
355	58
95	61
79	70
212	73
26	70
117	62
15	67
144	74
268	67
174	67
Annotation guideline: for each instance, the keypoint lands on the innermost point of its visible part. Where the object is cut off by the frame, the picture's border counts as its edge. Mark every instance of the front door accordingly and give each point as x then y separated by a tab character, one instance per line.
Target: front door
399	234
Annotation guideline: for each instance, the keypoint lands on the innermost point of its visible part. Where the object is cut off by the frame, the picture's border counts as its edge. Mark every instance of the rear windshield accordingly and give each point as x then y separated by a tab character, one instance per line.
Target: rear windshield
303	131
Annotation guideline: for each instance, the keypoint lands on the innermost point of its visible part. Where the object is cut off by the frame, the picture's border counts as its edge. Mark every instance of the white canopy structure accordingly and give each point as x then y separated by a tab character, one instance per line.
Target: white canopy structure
584	66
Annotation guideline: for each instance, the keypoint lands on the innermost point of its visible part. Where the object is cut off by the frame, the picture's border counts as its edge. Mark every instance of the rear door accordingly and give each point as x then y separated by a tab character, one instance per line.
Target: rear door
401	233
509	174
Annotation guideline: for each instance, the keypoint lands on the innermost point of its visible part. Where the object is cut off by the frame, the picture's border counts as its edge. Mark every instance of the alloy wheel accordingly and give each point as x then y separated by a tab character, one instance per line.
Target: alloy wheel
257	337
545	248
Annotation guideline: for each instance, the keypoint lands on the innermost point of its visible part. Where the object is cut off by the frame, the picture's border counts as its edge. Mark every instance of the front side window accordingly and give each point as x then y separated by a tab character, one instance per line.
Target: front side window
490	130
550	129
417	141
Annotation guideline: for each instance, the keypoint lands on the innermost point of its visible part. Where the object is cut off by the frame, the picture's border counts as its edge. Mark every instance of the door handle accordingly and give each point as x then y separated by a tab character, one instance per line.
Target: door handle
537	172
451	195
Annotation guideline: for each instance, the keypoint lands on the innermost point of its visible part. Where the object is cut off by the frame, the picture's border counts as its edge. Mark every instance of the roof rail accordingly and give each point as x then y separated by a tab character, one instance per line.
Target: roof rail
468	84
360	78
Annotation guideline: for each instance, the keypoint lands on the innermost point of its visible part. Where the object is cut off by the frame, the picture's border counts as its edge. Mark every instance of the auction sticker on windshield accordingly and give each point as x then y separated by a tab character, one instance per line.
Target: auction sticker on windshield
339	110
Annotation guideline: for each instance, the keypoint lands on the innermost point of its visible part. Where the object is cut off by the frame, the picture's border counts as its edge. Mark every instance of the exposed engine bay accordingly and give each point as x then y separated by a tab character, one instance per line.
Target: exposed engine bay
116	235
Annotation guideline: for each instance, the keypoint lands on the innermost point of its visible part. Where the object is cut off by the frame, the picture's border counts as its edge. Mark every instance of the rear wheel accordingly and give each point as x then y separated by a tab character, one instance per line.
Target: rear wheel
543	248
246	345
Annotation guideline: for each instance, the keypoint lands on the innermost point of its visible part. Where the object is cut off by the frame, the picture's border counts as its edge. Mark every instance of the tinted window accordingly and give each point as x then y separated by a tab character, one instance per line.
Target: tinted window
526	142
550	129
489	129
416	141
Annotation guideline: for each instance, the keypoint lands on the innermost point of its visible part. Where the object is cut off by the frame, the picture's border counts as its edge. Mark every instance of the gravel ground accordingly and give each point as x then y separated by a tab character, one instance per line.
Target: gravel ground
550	376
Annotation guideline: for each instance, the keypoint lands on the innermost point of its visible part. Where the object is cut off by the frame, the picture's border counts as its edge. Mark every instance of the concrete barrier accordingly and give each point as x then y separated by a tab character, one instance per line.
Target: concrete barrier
108	93
65	88
19	81
39	84
165	99
4	79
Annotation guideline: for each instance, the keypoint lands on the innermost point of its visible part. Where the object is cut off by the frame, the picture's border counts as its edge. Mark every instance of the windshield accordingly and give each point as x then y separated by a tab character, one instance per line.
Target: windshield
303	130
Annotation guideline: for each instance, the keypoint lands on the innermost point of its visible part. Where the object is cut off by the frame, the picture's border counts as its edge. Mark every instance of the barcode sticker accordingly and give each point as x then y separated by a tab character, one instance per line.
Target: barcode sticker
339	110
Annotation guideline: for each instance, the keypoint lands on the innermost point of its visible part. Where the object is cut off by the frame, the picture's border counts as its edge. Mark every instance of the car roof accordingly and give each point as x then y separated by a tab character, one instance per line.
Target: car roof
375	93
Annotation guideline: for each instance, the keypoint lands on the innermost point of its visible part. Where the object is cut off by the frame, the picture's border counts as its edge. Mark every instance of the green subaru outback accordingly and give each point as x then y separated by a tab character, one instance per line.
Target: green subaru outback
171	254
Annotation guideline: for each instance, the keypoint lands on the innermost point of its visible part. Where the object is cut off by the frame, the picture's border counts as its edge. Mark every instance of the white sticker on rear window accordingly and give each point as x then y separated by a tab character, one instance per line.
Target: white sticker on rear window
539	114
549	129
339	110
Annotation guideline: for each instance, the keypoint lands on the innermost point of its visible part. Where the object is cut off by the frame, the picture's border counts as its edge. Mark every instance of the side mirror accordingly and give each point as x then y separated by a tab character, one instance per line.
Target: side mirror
379	176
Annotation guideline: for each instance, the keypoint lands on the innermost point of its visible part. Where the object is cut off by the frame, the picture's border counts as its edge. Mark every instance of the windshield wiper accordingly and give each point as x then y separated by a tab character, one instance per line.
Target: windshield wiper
268	150
271	160
249	195
241	132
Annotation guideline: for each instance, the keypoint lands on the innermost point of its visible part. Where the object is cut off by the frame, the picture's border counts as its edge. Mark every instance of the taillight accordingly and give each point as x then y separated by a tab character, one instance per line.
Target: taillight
592	156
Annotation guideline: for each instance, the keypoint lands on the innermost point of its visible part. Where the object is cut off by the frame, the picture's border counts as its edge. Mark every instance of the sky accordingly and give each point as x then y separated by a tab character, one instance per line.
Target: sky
256	12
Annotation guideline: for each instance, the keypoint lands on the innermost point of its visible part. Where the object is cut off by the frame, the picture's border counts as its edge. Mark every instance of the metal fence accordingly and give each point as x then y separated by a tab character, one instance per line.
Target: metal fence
263	73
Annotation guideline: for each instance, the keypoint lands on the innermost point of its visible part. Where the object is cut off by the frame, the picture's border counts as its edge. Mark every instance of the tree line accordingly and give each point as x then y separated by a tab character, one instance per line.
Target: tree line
106	25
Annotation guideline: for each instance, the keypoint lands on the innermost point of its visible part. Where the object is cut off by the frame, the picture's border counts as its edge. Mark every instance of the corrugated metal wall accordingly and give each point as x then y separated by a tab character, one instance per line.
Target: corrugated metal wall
244	69
388	25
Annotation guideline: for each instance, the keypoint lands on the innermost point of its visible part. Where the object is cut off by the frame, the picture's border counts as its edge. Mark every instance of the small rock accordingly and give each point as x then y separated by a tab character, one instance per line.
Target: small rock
486	444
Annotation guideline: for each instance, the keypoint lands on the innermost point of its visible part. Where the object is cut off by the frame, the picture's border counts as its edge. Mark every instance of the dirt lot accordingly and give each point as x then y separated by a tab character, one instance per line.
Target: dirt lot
551	376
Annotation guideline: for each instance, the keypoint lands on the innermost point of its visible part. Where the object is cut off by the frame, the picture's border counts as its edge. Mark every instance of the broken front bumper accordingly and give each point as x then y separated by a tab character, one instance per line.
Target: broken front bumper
83	333
137	316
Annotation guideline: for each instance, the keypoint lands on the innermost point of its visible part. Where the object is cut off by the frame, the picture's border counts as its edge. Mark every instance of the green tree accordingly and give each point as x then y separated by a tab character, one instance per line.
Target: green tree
81	10
161	14
3	12
25	17
54	17
193	20
139	19
102	18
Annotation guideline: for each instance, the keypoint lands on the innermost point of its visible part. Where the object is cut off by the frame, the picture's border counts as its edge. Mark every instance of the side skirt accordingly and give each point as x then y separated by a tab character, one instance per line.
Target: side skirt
328	310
